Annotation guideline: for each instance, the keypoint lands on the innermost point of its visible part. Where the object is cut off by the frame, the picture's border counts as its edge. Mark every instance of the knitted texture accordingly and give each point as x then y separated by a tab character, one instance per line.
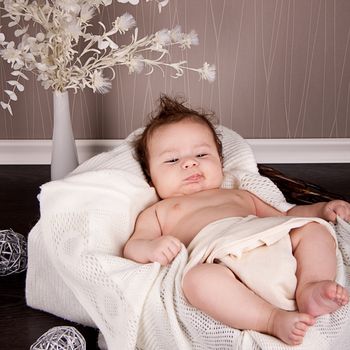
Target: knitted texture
75	270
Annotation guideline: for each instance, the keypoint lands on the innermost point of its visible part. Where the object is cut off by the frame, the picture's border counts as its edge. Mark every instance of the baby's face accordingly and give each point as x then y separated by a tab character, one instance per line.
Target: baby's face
183	159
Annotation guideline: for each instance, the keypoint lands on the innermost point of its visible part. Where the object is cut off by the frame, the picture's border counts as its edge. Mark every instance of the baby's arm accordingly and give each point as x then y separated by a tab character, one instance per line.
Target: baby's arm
324	210
147	244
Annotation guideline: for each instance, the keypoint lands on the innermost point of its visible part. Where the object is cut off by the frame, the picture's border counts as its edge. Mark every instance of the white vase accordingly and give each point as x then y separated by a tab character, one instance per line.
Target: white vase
64	157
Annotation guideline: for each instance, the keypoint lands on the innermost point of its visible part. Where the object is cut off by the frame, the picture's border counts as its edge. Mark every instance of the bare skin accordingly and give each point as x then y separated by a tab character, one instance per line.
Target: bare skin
321	295
179	219
187	176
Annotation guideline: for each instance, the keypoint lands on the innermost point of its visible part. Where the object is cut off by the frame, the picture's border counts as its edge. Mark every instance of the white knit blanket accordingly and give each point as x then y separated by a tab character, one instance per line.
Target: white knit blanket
75	270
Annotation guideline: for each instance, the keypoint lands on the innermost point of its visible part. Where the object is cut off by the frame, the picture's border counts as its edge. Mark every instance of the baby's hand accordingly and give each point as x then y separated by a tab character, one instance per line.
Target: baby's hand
336	208
164	249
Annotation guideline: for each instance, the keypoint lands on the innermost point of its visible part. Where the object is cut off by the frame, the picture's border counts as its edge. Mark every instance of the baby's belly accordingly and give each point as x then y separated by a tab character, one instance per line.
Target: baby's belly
187	227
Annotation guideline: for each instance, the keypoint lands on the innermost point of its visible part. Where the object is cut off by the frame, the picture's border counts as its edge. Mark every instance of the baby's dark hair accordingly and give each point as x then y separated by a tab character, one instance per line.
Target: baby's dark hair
169	111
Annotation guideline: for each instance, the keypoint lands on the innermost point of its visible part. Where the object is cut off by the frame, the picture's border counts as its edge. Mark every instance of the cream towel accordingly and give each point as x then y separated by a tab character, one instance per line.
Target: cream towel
257	250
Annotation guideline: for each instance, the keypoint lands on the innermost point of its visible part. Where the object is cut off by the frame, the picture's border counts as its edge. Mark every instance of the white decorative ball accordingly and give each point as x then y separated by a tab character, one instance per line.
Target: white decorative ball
13	252
60	338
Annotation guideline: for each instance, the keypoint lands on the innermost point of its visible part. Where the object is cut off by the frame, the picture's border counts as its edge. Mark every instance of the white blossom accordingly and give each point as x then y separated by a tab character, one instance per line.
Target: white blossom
99	82
161	39
176	34
87	12
69	6
135	64
123	23
208	72
10	53
43	76
40	36
189	39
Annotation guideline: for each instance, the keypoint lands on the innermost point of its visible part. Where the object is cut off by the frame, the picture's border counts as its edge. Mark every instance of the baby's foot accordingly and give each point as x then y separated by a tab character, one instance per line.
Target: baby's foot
322	297
289	326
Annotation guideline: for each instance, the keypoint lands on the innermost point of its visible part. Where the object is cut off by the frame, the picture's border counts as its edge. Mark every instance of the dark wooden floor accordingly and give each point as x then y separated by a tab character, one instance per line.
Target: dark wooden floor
20	325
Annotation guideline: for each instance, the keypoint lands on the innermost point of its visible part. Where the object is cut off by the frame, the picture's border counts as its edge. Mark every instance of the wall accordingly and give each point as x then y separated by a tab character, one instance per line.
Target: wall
283	71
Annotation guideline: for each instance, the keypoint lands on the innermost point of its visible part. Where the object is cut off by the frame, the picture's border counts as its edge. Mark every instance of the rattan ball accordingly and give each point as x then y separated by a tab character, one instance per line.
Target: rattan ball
60	338
13	252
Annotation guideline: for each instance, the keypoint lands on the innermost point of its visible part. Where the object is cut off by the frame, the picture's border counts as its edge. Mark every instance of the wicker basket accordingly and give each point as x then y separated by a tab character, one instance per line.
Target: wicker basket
297	191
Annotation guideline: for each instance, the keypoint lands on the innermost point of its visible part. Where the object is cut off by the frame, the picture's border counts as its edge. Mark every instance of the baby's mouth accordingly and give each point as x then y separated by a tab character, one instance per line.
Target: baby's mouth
194	178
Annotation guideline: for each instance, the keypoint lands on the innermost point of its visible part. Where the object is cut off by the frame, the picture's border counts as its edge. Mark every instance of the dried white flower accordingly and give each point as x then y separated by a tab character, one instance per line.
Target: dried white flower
176	34
64	54
40	37
10	54
208	72
123	23
135	64
189	39
87	13
99	82
69	6
161	39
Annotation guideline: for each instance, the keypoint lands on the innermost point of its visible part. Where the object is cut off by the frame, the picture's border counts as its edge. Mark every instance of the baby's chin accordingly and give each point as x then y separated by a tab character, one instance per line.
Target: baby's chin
187	190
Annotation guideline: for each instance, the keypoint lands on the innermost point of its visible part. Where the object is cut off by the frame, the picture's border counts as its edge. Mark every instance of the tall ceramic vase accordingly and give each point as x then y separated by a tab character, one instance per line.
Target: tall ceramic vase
64	157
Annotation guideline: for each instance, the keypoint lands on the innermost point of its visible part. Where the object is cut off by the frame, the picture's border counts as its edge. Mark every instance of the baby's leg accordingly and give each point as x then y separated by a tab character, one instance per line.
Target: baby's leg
215	290
314	249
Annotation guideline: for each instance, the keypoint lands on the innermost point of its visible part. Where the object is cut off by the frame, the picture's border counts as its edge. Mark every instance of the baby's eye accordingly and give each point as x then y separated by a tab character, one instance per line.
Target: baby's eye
173	160
201	155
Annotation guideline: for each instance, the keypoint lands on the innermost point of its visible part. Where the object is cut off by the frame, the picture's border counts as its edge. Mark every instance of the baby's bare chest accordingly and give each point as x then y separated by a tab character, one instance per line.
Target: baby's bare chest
183	217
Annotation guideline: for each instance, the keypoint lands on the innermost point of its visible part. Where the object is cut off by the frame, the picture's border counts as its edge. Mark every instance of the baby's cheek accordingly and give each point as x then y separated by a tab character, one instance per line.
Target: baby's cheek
219	178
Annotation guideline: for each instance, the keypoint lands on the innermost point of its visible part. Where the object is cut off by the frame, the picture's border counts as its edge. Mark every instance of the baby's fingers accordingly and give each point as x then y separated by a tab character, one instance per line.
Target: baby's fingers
163	257
338	208
174	246
167	248
343	211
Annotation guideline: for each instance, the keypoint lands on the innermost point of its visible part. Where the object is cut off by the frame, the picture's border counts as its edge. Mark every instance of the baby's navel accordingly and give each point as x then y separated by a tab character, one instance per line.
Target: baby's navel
176	206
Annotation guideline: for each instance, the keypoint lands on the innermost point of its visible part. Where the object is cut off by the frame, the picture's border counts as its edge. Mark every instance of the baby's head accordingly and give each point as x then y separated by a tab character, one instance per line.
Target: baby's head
179	150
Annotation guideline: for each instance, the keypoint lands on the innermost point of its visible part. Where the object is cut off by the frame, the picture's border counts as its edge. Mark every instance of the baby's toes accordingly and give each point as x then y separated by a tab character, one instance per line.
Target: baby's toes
302	326
342	295
298	332
345	297
296	339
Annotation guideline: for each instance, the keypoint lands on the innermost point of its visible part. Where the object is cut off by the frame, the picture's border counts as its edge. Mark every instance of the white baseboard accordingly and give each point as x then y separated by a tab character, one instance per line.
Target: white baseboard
279	151
283	151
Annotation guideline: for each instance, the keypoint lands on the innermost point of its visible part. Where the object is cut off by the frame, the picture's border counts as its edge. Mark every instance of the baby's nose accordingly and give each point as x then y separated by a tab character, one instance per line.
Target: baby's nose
189	163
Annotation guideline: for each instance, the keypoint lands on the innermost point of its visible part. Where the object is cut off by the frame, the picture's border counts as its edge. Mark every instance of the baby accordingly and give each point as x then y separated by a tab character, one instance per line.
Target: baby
181	156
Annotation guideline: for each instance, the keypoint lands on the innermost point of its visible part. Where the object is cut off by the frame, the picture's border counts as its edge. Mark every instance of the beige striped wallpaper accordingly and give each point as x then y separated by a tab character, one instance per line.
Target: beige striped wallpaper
283	71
